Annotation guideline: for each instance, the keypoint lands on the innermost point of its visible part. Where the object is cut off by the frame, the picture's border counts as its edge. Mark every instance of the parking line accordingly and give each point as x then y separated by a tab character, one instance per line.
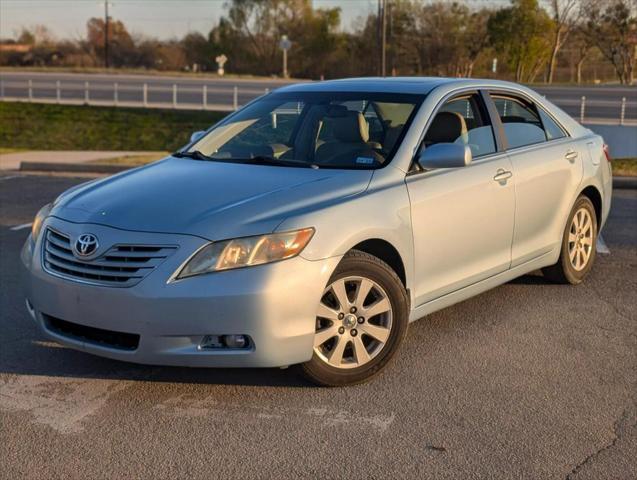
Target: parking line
21	227
601	246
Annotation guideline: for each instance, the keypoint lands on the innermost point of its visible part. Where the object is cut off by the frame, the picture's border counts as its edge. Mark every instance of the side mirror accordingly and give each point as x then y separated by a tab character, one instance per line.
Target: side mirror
445	155
196	136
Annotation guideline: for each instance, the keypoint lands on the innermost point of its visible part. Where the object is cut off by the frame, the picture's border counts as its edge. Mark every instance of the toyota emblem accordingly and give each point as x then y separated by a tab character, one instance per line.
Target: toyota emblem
86	245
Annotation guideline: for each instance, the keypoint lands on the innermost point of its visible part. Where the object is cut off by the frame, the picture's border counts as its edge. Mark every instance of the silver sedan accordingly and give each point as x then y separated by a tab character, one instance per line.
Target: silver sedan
311	226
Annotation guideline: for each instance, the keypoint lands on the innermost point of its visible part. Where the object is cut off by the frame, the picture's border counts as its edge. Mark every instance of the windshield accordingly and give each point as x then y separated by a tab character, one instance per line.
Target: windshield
313	129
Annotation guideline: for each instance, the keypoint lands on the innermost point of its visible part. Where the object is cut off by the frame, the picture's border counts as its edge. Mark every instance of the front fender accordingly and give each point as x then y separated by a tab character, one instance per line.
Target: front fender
382	212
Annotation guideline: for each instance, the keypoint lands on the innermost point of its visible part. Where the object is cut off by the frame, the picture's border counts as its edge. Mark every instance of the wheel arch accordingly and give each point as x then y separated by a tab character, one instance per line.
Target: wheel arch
595	196
385	251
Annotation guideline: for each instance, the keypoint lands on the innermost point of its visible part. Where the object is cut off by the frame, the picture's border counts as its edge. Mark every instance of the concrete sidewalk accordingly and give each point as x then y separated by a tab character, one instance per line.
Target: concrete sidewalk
11	161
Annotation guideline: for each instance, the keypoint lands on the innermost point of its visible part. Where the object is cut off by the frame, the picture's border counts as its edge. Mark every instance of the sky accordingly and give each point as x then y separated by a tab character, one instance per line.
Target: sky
156	18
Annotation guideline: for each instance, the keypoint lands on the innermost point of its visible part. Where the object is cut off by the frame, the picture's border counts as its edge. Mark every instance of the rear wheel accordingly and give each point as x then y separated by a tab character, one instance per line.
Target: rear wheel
360	322
578	245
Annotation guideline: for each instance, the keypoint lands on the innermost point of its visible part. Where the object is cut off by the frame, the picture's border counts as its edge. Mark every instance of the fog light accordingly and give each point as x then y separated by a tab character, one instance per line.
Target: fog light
210	341
235	341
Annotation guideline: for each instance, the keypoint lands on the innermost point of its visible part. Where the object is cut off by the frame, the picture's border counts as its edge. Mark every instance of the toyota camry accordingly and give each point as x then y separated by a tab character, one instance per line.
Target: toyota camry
311	226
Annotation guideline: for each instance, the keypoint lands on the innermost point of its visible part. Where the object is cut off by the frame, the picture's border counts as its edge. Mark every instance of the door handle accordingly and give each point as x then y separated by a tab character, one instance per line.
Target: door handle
502	175
571	155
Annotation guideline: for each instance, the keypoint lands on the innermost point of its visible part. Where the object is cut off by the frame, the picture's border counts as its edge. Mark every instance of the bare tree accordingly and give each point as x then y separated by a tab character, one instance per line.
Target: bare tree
614	31
580	47
565	14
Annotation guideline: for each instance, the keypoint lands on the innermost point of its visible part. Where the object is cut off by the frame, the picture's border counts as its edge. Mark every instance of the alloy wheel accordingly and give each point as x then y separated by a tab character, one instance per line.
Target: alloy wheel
353	324
580	239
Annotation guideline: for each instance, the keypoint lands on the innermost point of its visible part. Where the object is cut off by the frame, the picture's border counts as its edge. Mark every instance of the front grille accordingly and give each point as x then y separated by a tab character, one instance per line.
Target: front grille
120	266
96	336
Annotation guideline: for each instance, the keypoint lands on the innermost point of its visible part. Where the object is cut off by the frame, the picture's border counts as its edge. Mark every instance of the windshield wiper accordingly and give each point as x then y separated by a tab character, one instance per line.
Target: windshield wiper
269	160
196	155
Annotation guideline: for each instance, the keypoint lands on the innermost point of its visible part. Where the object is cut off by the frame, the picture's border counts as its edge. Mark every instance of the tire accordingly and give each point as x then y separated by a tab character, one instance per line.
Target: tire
333	364
567	270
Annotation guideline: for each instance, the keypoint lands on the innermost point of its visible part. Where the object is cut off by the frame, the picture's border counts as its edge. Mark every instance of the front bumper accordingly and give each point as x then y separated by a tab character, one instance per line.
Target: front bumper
274	304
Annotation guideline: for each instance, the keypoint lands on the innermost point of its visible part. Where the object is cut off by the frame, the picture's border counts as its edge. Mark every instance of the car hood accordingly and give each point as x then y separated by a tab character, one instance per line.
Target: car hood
213	200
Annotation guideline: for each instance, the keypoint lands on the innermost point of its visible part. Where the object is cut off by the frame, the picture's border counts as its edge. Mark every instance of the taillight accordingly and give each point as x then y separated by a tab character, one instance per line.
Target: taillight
606	152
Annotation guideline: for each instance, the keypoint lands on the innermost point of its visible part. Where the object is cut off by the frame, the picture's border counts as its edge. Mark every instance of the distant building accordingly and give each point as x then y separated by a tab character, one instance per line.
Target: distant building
15	47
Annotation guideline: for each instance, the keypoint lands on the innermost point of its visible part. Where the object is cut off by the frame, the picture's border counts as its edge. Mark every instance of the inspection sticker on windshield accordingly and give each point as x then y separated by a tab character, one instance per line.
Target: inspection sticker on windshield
364	160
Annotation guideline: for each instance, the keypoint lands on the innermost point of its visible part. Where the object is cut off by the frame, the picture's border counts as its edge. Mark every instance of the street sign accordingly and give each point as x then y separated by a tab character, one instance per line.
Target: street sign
221	61
285	43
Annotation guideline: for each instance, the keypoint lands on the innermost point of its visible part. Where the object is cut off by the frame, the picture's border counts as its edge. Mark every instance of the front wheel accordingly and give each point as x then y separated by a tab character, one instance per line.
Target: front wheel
578	245
360	322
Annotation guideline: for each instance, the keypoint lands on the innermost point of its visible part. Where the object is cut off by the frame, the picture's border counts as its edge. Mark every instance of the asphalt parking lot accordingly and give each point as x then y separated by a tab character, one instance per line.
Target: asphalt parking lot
530	380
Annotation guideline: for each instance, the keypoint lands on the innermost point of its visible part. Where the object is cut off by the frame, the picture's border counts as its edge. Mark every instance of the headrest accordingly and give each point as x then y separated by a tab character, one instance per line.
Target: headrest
446	127
348	126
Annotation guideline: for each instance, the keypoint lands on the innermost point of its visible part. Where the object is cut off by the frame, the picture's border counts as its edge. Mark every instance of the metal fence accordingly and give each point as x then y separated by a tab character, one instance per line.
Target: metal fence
228	97
126	94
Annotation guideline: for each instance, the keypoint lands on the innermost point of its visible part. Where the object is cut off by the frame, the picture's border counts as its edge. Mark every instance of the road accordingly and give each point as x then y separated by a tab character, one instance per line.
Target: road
602	102
530	380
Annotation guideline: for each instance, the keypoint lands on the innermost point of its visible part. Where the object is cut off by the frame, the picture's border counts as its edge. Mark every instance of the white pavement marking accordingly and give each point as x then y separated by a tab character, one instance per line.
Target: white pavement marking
60	403
601	246
10	177
21	227
189	406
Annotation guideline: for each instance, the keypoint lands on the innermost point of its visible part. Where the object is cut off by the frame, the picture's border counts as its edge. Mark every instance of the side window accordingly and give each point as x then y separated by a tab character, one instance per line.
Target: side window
552	129
463	120
520	120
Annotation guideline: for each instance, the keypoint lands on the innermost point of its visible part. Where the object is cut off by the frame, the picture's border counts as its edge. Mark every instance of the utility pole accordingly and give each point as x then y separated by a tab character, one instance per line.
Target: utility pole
382	33
106	19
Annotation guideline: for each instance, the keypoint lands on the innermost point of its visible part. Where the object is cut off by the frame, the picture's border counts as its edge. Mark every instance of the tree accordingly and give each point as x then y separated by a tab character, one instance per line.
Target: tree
475	40
613	29
122	48
250	33
581	44
564	14
519	33
198	50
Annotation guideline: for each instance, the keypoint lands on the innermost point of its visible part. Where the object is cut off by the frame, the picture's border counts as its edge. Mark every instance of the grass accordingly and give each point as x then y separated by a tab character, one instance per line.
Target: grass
4	151
624	167
34	126
132	160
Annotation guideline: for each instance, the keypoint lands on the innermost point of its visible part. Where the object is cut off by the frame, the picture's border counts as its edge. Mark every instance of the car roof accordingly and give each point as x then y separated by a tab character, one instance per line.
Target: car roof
410	85
425	85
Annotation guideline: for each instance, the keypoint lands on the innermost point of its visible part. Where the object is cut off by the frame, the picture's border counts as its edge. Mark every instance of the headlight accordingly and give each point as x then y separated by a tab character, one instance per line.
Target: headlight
39	220
246	252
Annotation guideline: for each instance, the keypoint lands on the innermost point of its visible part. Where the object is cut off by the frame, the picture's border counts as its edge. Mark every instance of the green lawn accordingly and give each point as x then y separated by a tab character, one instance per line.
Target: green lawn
625	167
10	150
132	160
68	127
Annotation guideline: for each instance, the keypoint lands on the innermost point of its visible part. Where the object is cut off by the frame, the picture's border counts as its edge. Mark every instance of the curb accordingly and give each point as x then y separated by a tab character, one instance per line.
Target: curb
625	183
72	167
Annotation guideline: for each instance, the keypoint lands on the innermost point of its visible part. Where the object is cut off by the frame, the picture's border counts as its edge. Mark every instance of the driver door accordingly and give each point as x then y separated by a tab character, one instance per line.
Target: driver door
462	218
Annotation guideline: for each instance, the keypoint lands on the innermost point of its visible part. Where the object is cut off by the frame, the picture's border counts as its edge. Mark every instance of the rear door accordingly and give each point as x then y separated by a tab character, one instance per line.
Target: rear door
462	218
548	169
